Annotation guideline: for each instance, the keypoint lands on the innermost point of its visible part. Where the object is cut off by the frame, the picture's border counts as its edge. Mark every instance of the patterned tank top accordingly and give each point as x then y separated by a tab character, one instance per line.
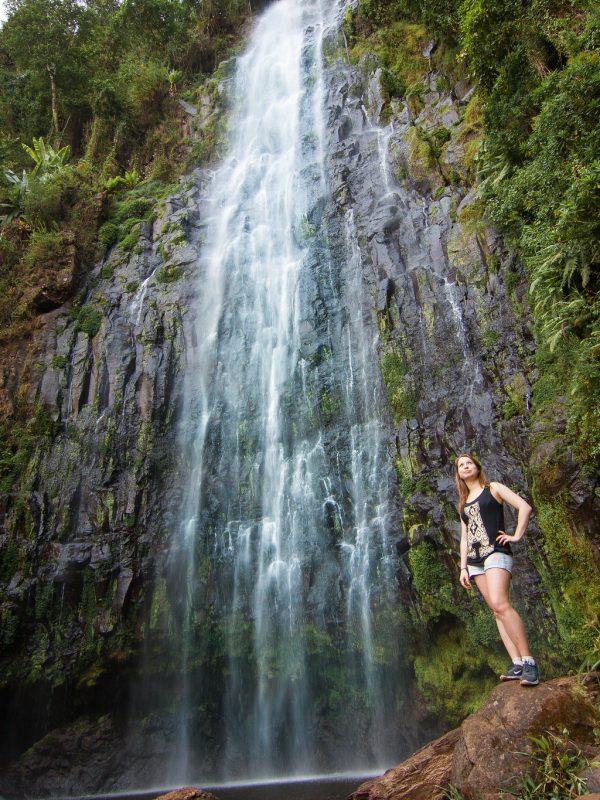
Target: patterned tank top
484	518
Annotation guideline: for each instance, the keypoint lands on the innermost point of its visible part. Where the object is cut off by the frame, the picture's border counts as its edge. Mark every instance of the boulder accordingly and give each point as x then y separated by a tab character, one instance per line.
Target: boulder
417	778
483	756
187	793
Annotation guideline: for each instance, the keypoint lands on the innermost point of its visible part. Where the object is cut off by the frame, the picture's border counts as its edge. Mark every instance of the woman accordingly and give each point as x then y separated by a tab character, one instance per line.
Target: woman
486	557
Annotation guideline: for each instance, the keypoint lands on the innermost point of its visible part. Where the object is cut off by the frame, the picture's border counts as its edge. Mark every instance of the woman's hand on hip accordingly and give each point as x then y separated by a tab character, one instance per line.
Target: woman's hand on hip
504	538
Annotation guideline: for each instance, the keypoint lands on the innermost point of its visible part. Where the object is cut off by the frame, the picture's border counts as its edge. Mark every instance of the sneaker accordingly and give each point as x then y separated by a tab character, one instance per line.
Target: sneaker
513	673
531	675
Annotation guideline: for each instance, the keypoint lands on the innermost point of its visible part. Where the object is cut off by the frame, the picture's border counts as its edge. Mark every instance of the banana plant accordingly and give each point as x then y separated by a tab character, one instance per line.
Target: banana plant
18	188
46	158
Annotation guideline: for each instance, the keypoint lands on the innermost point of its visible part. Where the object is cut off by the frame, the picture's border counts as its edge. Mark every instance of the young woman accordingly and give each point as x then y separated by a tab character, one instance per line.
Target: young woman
486	557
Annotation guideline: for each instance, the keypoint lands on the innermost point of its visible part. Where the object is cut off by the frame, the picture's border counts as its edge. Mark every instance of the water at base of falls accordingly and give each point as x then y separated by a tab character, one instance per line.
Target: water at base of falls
282	580
331	787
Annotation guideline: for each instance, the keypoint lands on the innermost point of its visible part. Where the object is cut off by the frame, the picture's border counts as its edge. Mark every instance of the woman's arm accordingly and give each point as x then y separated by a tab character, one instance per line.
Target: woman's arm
502	492
464	574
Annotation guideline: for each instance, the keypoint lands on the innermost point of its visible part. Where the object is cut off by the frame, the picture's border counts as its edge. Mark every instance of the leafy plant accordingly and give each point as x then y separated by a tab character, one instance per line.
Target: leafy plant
129	180
18	188
45	157
451	792
554	764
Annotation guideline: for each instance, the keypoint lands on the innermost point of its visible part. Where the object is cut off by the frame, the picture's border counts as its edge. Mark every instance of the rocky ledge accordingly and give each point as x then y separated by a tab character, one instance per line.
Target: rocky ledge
492	746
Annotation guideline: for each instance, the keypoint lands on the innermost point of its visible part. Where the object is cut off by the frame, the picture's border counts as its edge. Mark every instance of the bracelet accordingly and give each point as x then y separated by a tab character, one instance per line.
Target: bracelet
461	569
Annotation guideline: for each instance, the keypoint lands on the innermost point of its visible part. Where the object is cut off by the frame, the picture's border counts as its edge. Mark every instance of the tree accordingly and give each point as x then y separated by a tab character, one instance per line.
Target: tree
43	40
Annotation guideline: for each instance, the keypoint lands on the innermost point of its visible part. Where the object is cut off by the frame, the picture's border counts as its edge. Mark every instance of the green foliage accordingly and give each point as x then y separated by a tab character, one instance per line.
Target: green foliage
430	578
18	443
452	793
402	397
45	157
329	405
47	248
88	320
542	190
169	274
554	767
18	186
438	15
454	675
127	213
94	79
129	180
573	580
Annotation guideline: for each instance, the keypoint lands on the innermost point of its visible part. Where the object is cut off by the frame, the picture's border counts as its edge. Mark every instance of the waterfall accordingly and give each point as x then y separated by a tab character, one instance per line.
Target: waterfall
284	570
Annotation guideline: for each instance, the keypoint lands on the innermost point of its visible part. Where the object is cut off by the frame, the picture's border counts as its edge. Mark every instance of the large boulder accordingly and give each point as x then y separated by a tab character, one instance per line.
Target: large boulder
187	793
491	747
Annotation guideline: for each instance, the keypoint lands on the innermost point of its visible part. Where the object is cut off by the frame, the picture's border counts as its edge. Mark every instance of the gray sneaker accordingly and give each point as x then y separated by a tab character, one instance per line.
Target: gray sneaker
513	673
531	675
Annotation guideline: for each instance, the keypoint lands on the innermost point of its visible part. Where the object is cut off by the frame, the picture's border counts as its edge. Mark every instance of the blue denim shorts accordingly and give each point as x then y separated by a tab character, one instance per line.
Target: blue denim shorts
493	561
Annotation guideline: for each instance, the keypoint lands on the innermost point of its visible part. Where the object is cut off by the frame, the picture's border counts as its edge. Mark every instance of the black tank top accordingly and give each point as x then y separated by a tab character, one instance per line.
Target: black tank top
484	518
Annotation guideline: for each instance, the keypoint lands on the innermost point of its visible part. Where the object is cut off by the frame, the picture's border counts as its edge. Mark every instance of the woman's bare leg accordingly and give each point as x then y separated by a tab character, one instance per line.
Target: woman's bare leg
497	585
511	647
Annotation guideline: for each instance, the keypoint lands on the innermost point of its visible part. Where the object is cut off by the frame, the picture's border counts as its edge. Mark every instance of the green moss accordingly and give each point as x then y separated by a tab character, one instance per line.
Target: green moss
40	654
511	281
322	355
88	320
91	675
169	274
516	403
59	362
10	560
439	136
489	338
405	479
329	405
420	154
455	677
9	627
19	443
414	95
572	578
207	147
430	579
402	398
108	234
129	241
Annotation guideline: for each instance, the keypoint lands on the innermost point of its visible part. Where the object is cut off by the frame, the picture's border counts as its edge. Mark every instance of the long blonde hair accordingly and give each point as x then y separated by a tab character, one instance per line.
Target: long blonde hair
461	486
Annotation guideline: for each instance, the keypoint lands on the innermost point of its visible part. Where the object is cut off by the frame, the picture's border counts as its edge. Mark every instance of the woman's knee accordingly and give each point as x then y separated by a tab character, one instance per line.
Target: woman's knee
500	606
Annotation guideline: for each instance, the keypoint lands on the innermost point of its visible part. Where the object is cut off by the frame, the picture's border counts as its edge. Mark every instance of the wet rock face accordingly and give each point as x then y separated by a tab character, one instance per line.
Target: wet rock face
88	526
456	342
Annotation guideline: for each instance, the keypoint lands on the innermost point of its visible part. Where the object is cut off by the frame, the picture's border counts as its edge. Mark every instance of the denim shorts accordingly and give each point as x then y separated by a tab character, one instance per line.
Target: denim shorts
494	560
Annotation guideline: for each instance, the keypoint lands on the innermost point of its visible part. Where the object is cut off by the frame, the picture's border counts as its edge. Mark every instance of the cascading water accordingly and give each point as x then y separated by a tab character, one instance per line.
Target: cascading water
284	571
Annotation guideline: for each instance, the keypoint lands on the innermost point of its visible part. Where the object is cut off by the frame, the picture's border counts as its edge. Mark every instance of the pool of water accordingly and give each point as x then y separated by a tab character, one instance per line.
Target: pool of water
321	788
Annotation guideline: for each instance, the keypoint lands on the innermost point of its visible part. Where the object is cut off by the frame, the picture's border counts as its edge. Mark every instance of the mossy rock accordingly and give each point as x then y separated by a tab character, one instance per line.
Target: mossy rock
454	677
464	253
421	165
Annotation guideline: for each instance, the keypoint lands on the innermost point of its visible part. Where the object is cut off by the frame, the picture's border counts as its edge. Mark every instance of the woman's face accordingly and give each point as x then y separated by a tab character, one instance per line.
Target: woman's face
466	468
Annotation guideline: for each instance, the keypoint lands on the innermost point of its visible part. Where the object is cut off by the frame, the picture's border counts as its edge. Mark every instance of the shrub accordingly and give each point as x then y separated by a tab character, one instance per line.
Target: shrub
88	320
46	248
